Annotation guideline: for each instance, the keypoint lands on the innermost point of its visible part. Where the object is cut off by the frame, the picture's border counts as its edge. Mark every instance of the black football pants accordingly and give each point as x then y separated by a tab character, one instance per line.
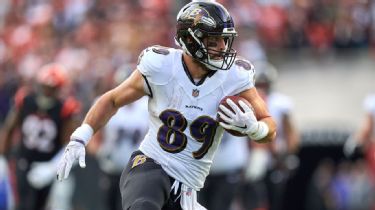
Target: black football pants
145	185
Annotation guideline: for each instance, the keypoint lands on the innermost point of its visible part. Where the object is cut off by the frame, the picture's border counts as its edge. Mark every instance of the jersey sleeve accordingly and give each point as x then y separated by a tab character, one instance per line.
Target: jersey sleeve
153	63
241	77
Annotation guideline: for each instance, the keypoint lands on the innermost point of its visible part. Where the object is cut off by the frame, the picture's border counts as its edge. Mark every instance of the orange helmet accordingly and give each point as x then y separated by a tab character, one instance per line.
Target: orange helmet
53	75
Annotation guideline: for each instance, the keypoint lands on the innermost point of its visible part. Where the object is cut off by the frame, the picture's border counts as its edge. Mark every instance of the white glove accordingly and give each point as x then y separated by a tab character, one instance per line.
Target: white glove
73	151
41	174
242	121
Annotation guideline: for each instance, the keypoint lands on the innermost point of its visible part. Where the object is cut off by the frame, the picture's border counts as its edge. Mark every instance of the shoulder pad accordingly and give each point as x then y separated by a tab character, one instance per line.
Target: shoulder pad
70	107
154	63
245	69
240	77
160	50
244	64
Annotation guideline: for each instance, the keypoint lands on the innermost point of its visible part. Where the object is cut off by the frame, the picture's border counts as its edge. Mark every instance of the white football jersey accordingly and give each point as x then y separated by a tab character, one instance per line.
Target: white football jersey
279	105
122	135
184	133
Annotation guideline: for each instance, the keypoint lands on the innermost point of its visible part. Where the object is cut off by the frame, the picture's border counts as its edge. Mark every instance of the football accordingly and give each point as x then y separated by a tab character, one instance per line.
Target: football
235	99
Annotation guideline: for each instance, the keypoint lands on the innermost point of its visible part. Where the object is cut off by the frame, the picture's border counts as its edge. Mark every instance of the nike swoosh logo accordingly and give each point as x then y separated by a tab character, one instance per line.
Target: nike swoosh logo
243	127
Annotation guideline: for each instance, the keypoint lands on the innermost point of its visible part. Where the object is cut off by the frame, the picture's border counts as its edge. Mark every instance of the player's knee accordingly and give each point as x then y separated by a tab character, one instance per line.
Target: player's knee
142	204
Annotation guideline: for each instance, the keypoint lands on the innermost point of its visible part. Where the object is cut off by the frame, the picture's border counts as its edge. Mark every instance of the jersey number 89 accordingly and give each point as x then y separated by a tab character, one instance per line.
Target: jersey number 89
171	135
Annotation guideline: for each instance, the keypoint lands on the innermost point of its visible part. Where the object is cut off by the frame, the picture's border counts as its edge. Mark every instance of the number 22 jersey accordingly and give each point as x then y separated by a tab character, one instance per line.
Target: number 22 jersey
183	132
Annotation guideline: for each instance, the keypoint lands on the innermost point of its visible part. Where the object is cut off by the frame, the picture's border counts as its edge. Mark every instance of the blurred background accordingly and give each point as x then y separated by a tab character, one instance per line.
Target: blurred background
323	50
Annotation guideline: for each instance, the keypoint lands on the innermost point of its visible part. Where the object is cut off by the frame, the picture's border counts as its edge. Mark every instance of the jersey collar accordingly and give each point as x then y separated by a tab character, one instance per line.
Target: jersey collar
200	82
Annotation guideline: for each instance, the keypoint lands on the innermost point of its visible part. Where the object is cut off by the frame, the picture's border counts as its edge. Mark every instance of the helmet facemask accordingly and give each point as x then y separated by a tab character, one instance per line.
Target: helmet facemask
193	36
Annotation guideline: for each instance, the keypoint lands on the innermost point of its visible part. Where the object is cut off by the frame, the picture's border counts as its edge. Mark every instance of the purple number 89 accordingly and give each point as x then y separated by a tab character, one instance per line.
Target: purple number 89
171	135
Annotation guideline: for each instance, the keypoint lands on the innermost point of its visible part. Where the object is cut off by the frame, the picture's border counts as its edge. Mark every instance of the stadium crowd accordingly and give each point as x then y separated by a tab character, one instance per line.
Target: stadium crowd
94	38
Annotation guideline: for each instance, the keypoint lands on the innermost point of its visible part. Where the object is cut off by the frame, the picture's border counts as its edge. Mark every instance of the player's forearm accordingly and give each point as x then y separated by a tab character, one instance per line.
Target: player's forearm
107	105
100	113
271	135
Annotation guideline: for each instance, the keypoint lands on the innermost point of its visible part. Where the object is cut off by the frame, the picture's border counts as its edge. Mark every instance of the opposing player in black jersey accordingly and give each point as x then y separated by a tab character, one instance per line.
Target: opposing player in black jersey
43	120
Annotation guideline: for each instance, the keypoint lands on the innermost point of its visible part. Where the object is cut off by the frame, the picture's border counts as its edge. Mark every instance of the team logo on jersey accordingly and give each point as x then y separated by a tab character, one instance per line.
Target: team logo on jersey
195	93
138	160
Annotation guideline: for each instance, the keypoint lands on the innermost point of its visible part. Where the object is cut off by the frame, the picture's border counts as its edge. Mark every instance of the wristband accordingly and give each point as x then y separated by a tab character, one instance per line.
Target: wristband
79	141
82	133
261	132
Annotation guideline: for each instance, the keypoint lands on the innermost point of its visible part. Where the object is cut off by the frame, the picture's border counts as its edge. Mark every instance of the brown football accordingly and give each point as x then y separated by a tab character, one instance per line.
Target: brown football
235	99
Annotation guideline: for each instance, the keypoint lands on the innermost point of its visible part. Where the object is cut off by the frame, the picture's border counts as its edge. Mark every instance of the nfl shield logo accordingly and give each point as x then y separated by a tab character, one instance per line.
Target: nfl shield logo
195	93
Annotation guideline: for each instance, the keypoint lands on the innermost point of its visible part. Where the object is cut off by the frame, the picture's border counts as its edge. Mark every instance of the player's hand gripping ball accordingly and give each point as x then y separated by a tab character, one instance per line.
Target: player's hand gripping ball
236	100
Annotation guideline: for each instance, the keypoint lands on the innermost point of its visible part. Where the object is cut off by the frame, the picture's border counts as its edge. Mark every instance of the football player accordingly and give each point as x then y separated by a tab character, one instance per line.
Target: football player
184	88
44	121
266	162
